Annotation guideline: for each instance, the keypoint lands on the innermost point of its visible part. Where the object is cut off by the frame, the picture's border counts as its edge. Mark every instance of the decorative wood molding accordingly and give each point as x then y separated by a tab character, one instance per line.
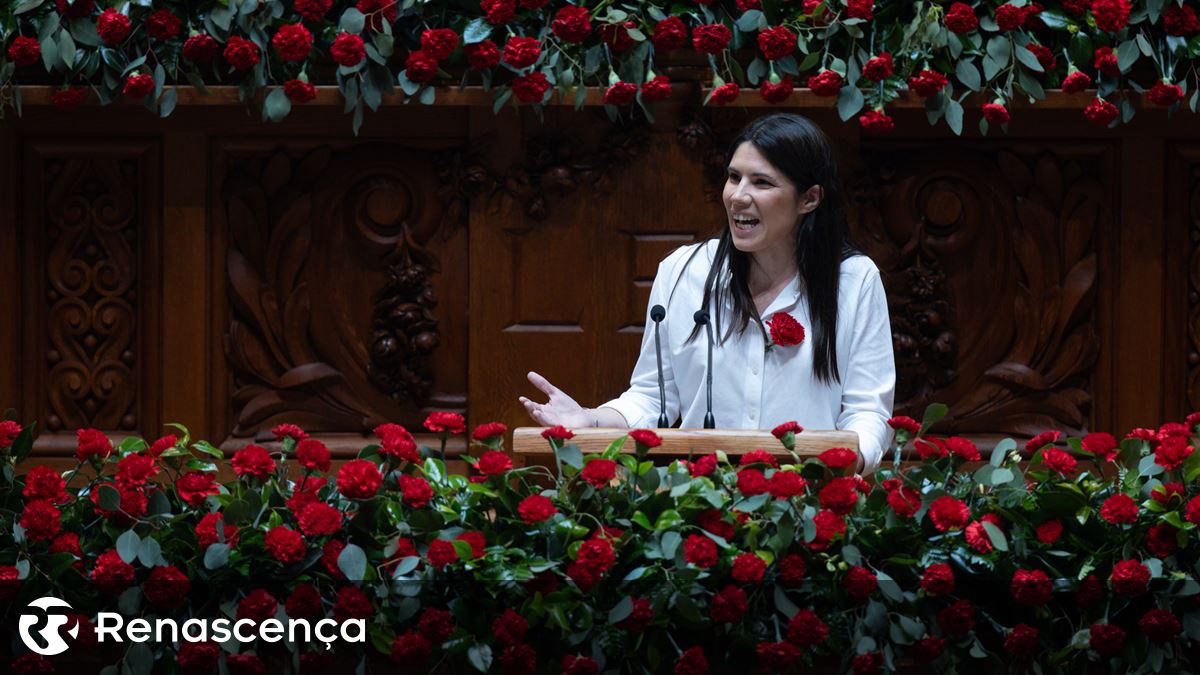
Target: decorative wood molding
330	267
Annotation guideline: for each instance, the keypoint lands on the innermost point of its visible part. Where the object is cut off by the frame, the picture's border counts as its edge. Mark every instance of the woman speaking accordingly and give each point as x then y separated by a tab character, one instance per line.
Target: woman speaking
799	314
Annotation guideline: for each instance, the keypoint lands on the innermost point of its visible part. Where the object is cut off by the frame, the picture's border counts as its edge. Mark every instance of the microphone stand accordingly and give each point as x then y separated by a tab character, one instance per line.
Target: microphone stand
701	317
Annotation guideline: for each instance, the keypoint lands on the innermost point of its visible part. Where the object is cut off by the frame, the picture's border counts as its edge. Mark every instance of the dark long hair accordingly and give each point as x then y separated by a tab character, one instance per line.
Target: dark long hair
799	149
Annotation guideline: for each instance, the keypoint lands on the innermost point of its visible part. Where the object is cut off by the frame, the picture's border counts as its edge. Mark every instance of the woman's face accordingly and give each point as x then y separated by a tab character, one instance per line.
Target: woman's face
762	204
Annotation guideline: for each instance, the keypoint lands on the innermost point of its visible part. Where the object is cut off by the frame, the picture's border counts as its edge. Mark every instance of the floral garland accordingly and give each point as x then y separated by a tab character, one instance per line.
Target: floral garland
863	54
611	563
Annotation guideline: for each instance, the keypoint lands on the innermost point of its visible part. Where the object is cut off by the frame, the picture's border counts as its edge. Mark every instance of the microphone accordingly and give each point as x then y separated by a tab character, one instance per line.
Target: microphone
657	314
701	319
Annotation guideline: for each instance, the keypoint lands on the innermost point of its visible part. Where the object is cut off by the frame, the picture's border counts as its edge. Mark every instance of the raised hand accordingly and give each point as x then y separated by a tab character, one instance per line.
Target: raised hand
560	409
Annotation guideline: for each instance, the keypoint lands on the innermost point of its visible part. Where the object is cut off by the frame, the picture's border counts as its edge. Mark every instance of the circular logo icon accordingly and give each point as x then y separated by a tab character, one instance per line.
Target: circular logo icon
40	623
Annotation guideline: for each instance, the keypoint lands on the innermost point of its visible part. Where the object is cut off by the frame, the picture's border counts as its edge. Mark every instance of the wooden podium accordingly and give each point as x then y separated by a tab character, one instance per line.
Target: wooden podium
528	443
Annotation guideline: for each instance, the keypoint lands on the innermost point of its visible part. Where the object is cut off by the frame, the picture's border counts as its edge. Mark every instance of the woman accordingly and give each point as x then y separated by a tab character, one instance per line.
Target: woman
785	249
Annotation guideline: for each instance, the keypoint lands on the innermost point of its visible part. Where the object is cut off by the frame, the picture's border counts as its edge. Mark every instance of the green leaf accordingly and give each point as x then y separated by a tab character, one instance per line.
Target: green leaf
1144	45
757	71
1001	451
277	106
1081	51
1000	49
784	604
66	48
622	611
571	456
140	658
670	544
968	74
996	535
352	561
170	99
216	556
851	555
208	449
150	553
889	587
849	102
480	657
933	413
49	53
26	5
110	498
352	21
1002	476
1127	54
751	21
406	565
640	518
667	520
614	448
1029	59
1055	20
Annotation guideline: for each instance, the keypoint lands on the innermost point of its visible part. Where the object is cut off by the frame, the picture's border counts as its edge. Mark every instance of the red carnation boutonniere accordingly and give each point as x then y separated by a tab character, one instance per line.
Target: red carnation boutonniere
786	331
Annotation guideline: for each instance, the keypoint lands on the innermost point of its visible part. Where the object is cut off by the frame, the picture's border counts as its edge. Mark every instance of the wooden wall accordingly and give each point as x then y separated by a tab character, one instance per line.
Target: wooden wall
227	274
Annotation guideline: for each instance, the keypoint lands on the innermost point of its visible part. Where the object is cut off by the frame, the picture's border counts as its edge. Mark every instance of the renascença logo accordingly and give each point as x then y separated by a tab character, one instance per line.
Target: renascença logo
45	639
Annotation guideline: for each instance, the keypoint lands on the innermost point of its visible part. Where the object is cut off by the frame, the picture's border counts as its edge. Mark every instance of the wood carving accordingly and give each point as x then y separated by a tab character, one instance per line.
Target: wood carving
91	213
990	268
329	274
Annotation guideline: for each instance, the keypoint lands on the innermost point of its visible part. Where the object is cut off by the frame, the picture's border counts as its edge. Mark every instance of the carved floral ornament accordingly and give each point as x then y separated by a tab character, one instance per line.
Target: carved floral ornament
329	284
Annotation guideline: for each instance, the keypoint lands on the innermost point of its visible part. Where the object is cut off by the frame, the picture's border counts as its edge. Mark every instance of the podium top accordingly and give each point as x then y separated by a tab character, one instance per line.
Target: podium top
528	441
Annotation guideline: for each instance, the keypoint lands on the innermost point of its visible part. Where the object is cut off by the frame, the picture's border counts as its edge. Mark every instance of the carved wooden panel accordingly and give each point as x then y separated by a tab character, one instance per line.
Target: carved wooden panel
91	240
1184	217
989	256
339	268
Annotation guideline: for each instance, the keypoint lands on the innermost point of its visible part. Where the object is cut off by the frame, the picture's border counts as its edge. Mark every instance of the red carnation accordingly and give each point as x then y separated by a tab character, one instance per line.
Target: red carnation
839	495
253	461
879	68
785	330
112	575
410	650
1100	444
416	491
639	617
1181	21
1105	61
113	27
1161	540
257	606
162	445
829	525
700	551
166	587
938	580
860	9
728	605
996	113
494	463
1031	587
776	657
133	471
509	628
92	443
758	456
1049	531
347	50
498	12
825	83
1009	17
486	432
713	520
41	520
905	502
572	24
439	43
305	492
482	56
1193	510
200	48
24	51
776	42
786	428
377	12
285	544
535	509
436	624
531	88
359	479
440	421
1172	452
304	602
958	619
867	664
1021	641
961	19
928	649
42	482
519	52
319	519
599	472
669	34
977	536
927	83
703	466
963	449
313	10
1160	625
558	433
1130	577
748	568
751	482
441	553
311	453
293	42
196	658
420	67
646	438
1089	591
1106	639
876	122
1076	82
711	38
1111	15
905	424
1044	56
352	603
725	94
241	53
1058	461
1165	94
1119	509
657	89
206	531
786	485
621	93
948	513
806	629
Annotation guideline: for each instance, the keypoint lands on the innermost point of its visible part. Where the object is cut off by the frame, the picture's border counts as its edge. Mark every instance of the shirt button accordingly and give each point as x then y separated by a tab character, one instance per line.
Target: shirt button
754	370
751	414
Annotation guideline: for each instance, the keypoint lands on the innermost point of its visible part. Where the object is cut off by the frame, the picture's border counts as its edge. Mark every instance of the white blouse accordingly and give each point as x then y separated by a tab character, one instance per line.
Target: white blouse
757	389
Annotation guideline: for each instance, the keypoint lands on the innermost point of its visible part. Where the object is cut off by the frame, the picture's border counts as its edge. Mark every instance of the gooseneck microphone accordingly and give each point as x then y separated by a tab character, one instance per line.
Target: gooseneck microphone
657	314
701	319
